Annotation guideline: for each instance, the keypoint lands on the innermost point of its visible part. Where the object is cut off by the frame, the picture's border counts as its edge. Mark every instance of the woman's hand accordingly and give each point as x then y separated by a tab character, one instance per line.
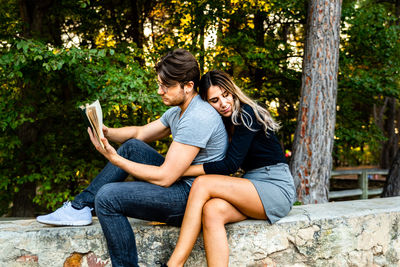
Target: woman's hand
108	151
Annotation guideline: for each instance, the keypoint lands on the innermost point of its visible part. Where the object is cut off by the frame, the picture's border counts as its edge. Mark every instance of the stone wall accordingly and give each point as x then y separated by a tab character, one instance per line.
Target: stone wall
351	233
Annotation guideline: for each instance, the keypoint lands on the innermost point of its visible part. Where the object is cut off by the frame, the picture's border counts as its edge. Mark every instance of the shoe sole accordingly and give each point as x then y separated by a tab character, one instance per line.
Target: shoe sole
66	223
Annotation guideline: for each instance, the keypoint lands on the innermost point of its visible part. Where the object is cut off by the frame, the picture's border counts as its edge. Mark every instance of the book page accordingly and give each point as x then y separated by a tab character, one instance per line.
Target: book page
95	117
99	113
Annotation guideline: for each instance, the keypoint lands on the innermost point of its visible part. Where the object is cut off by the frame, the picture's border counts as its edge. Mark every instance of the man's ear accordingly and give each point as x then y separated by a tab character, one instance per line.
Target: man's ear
189	86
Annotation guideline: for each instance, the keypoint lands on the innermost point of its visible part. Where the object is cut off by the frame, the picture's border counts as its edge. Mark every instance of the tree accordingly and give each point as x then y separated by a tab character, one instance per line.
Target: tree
42	83
261	45
368	85
33	15
253	43
313	142
389	147
71	51
392	185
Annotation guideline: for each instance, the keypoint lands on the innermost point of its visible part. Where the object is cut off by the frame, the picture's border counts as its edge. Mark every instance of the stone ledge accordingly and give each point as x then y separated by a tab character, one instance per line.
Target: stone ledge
351	233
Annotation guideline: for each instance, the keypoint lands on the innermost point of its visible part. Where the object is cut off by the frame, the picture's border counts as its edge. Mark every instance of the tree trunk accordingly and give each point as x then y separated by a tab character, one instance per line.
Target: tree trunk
259	72
136	28
392	185
202	49
390	146
32	14
311	162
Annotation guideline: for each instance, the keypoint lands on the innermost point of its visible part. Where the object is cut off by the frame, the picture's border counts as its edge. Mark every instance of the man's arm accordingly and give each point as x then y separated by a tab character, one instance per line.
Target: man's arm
178	159
150	132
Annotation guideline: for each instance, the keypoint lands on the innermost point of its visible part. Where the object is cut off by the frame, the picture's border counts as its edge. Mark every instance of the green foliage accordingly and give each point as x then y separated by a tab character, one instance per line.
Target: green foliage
81	50
369	72
8	20
261	48
42	135
297	203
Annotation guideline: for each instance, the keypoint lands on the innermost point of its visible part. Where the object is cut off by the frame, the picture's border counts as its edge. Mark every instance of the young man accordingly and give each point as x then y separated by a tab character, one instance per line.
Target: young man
198	136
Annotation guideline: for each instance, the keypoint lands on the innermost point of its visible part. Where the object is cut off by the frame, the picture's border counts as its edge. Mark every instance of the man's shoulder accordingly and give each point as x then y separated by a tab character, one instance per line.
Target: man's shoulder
171	111
203	109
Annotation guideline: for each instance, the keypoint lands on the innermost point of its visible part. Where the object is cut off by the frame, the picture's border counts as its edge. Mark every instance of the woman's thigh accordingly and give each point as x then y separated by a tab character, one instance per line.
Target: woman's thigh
239	192
275	187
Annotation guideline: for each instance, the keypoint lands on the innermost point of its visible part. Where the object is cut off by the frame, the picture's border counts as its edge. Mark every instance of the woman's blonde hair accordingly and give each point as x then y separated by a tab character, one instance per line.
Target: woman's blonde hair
225	82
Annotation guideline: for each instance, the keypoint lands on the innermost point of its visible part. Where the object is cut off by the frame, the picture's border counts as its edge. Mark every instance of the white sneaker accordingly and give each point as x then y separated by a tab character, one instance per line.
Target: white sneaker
67	215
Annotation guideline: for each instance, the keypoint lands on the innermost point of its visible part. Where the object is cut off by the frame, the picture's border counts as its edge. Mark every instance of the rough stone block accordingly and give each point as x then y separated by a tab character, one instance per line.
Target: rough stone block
351	233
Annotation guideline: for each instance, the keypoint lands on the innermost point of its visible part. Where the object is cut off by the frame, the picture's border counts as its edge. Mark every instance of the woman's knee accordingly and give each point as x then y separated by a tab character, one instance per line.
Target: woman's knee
202	184
215	212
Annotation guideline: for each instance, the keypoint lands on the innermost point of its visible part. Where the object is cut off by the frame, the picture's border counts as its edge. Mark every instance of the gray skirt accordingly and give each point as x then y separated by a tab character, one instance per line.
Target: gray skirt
275	188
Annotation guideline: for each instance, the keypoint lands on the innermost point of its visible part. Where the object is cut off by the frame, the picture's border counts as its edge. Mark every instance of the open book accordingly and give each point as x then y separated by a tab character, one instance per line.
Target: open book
94	119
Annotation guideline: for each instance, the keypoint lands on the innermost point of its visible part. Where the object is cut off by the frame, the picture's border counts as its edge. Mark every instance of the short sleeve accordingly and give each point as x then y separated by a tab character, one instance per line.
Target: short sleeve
196	130
166	117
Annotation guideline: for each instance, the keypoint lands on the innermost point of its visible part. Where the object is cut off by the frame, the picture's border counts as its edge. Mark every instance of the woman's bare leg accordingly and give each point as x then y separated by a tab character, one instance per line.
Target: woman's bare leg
240	192
217	213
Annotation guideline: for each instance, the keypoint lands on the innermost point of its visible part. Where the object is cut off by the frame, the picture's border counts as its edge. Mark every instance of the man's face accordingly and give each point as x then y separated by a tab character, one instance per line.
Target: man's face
171	95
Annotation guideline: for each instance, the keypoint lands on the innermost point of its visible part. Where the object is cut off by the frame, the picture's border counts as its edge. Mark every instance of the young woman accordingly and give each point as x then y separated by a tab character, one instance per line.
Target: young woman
266	190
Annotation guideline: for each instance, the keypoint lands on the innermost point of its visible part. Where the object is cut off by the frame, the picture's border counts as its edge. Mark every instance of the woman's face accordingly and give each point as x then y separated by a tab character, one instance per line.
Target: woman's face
221	100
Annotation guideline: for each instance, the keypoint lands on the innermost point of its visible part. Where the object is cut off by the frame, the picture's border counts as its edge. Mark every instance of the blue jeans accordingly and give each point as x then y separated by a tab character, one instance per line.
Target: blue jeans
114	199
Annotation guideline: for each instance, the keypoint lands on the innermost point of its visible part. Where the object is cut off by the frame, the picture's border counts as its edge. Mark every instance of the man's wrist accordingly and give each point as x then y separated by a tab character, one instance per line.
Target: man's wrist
115	160
109	133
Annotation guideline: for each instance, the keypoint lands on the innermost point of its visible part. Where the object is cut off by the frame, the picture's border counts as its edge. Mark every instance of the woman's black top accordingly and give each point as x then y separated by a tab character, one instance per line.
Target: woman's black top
248	149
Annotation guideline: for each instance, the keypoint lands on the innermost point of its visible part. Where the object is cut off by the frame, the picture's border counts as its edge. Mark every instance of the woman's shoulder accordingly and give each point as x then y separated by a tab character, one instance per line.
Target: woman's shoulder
248	118
248	109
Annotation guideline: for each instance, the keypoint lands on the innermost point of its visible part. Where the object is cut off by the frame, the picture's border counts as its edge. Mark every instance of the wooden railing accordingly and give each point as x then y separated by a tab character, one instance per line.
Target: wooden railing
362	190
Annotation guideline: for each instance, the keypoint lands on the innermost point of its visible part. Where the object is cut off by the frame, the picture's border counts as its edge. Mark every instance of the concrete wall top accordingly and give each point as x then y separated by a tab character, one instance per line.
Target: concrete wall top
349	233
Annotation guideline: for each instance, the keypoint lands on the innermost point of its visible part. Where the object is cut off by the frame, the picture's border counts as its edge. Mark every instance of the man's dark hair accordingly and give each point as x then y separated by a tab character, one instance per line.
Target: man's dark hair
178	66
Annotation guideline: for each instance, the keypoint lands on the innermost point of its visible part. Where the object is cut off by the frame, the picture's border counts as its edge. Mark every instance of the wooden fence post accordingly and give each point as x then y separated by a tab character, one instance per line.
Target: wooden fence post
363	183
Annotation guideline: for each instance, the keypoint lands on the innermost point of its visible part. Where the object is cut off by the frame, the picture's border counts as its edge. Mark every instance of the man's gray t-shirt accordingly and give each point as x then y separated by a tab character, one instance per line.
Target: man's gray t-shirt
201	126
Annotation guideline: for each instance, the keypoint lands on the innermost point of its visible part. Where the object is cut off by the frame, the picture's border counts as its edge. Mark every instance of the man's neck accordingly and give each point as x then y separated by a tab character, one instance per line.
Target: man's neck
186	103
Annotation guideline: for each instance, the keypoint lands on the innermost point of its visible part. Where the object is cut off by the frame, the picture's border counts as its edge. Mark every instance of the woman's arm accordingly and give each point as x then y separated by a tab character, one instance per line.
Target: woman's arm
194	170
238	148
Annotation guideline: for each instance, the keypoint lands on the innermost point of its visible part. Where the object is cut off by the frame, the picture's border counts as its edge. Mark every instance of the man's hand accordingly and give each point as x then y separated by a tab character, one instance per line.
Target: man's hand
105	131
108	151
